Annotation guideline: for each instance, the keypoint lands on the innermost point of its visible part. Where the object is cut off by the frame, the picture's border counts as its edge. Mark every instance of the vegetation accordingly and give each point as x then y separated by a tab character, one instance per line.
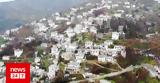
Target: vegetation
59	77
133	58
61	66
154	45
83	37
2	41
141	46
119	42
98	42
136	76
136	43
111	46
40	51
46	61
88	36
77	76
104	38
107	37
152	80
149	60
7	51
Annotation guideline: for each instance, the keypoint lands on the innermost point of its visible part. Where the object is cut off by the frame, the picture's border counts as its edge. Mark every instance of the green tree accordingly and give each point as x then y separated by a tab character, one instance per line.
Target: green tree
2	41
46	61
61	66
152	80
111	46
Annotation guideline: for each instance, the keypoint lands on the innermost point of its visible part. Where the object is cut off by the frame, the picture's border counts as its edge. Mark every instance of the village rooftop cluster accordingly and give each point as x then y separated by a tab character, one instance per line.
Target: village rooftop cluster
76	37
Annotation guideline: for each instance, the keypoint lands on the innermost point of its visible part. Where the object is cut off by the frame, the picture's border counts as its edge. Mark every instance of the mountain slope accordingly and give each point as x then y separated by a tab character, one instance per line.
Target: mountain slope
22	11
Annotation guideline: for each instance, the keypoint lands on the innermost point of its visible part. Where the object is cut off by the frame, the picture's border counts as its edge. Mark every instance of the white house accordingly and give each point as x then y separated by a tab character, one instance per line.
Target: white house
38	72
1	67
105	58
61	38
127	3
52	71
133	6
118	15
78	28
52	24
57	14
67	56
68	23
120	28
107	43
18	52
93	29
5	58
79	16
128	6
105	81
123	53
15	29
114	52
115	5
70	32
41	27
55	51
119	47
67	40
71	47
43	19
120	11
102	58
95	52
1	64
128	15
7	32
35	79
29	39
110	59
62	18
3	46
157	68
54	34
89	44
44	45
103	1
3	79
89	75
115	35
157	1
152	71
98	46
108	6
37	59
79	56
73	19
84	29
74	9
55	61
73	66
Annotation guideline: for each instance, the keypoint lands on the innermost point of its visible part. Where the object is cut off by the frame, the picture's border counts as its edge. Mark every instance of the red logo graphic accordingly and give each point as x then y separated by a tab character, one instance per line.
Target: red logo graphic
17	73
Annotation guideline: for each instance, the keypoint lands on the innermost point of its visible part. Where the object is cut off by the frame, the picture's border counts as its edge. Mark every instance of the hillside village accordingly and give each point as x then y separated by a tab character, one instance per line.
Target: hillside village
69	46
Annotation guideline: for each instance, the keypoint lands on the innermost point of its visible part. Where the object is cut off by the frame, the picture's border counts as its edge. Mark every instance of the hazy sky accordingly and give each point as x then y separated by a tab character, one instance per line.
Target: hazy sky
6	0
